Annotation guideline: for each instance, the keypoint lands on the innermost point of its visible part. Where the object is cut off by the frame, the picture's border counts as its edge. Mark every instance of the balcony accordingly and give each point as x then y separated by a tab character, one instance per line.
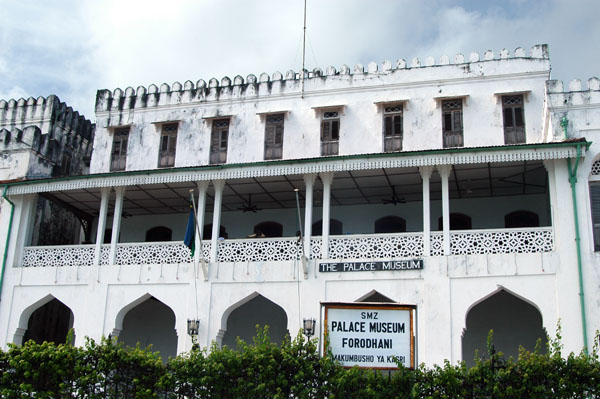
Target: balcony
359	246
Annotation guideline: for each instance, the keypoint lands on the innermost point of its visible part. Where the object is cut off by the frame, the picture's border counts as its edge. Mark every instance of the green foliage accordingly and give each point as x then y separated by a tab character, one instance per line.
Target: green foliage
293	369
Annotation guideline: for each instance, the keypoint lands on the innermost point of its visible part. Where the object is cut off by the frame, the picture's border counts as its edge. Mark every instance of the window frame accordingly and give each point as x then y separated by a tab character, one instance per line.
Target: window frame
513	134
118	162
166	157
330	132
392	141
453	135
273	147
219	141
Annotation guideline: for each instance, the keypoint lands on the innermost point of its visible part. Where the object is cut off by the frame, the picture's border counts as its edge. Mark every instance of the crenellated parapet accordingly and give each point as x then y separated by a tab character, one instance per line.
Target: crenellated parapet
60	137
289	83
574	94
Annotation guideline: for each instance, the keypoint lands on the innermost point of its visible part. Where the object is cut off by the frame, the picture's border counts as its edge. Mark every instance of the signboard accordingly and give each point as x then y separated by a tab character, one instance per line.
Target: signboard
370	335
411	264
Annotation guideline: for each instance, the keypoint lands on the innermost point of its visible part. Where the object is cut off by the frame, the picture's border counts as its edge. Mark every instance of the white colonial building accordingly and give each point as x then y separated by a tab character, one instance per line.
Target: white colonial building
481	168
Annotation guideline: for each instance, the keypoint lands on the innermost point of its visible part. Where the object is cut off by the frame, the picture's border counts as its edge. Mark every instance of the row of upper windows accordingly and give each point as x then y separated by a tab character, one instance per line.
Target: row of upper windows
452	132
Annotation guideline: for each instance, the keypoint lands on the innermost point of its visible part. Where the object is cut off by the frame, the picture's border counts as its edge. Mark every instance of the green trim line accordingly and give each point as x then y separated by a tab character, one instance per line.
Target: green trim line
573	181
10	221
587	144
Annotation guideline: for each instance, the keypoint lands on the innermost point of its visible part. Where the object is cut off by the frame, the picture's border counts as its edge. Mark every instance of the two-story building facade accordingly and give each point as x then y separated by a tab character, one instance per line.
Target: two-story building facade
462	164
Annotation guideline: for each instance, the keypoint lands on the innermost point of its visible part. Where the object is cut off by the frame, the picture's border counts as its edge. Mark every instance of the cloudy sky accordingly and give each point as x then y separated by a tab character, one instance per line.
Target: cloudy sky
71	48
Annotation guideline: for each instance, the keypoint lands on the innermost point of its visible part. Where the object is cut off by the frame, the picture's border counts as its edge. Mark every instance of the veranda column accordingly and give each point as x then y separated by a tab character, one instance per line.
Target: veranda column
309	182
444	173
425	175
104	194
201	205
326	178
216	224
116	226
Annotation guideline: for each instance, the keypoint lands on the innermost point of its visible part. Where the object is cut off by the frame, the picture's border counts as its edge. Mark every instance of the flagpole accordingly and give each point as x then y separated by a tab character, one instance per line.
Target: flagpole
200	254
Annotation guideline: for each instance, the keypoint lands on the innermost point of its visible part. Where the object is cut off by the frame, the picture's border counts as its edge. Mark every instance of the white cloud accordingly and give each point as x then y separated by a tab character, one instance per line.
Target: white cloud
72	48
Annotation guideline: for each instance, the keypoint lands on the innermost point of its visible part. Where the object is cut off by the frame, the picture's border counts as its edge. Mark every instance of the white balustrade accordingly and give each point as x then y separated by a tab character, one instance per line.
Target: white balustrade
364	246
502	241
376	246
59	255
259	249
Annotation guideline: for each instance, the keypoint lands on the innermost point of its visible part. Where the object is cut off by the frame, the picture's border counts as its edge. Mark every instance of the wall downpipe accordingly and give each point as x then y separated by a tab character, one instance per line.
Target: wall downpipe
10	221
573	180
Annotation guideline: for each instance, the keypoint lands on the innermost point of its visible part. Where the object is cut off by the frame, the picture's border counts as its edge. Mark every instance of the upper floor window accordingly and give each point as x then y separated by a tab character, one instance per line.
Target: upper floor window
392	128
118	156
330	133
168	143
218	141
274	136
452	124
514	122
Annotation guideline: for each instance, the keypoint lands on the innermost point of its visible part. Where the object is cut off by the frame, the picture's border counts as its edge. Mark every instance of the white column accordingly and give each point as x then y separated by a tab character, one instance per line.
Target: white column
444	171
104	192
201	205
116	226
309	182
24	219
326	178
218	184
425	175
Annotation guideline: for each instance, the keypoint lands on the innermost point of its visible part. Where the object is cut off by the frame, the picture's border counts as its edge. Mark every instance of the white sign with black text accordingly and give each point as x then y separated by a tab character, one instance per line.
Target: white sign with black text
370	336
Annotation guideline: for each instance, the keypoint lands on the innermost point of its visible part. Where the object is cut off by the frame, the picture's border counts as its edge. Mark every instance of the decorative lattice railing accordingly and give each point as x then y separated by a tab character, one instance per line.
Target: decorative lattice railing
502	241
366	246
147	253
259	249
375	246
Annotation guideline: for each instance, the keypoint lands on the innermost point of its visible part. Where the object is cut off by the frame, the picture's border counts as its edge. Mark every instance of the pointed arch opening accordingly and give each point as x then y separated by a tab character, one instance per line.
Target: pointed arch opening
515	323
159	234
268	229
335	227
150	322
257	311
375	296
390	224
518	219
50	322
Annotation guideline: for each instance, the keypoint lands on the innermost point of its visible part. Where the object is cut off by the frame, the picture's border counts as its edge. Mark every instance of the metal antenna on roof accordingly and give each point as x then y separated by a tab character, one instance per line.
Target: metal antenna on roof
303	54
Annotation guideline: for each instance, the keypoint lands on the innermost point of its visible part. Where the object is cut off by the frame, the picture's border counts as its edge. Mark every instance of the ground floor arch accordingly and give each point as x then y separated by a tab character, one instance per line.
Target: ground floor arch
242	321
50	322
514	321
150	322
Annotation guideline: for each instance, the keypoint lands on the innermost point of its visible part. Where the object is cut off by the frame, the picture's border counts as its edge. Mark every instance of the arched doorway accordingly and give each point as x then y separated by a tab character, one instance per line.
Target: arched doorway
521	219
390	224
268	229
151	323
51	322
458	221
514	321
335	227
242	321
159	234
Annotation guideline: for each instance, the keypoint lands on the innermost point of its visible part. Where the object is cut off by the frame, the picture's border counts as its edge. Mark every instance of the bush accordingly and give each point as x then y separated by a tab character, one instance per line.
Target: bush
292	370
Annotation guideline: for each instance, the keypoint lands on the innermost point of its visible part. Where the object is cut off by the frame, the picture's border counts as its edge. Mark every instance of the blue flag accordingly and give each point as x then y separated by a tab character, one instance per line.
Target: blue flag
190	231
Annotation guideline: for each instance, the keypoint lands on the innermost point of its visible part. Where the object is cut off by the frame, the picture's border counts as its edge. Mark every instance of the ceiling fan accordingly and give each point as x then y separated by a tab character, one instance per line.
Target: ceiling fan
250	207
395	200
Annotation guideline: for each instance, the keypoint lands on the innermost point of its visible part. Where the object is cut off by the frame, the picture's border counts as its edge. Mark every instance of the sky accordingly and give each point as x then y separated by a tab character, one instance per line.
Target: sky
72	48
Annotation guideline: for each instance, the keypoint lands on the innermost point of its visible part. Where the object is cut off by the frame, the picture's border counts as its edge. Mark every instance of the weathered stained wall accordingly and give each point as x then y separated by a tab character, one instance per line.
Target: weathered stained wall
43	137
360	122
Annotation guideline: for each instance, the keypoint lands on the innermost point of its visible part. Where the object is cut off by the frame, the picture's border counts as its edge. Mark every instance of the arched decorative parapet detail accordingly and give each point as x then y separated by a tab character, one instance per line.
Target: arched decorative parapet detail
242	302
125	309
374	296
496	291
26	314
595	169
